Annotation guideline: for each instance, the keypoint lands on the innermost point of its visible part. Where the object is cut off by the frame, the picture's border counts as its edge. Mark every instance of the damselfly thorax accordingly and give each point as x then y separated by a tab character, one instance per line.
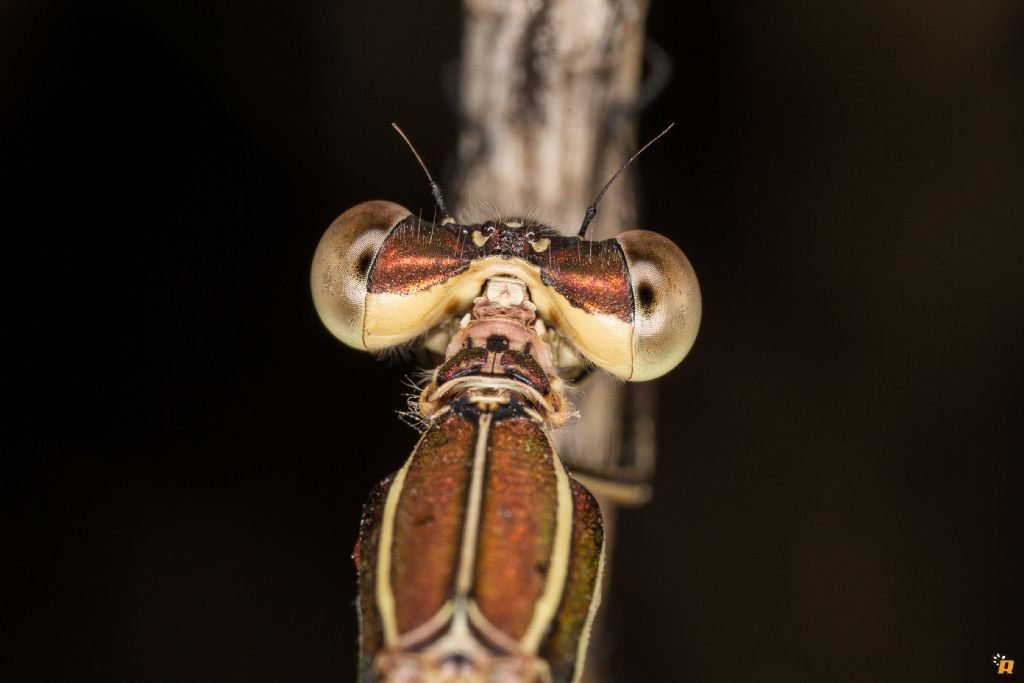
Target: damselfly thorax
480	560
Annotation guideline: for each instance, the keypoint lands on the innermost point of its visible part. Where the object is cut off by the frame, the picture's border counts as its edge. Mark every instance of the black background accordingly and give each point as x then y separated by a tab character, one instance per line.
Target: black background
186	449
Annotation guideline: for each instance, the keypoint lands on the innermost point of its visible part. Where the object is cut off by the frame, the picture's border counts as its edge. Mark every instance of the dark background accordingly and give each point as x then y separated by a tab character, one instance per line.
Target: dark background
186	449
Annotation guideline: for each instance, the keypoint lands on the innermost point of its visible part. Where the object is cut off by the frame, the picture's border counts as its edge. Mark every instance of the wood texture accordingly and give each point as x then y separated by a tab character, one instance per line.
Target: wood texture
546	95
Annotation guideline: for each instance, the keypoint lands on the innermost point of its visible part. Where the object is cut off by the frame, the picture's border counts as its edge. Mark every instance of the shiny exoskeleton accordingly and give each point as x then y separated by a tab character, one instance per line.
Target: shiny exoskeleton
480	559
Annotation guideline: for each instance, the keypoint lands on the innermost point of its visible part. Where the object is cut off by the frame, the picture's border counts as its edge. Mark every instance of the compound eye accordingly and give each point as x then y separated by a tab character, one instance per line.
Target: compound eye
342	264
666	302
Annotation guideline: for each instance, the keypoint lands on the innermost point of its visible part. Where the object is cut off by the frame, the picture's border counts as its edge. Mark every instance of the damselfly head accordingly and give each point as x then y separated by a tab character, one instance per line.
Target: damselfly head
383	277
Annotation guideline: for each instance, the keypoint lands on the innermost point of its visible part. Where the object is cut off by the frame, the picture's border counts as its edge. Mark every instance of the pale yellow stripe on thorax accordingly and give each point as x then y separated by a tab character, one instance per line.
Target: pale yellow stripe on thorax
471	530
595	602
385	594
554	586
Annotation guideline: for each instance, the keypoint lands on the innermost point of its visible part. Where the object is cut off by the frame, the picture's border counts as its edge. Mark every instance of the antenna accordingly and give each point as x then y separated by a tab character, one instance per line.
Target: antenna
435	189
592	209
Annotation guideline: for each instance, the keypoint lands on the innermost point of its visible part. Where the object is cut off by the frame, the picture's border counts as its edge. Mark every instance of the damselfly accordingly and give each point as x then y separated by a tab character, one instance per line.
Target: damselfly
481	558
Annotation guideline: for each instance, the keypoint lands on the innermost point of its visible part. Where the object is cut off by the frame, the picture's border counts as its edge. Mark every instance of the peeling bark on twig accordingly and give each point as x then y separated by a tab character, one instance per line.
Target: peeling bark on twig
547	95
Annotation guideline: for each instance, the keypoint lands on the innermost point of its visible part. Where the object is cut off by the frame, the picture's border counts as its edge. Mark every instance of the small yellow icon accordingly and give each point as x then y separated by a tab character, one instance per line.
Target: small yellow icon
1003	665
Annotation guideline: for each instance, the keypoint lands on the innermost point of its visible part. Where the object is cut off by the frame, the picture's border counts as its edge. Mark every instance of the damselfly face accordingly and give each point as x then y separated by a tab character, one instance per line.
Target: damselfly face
383	277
